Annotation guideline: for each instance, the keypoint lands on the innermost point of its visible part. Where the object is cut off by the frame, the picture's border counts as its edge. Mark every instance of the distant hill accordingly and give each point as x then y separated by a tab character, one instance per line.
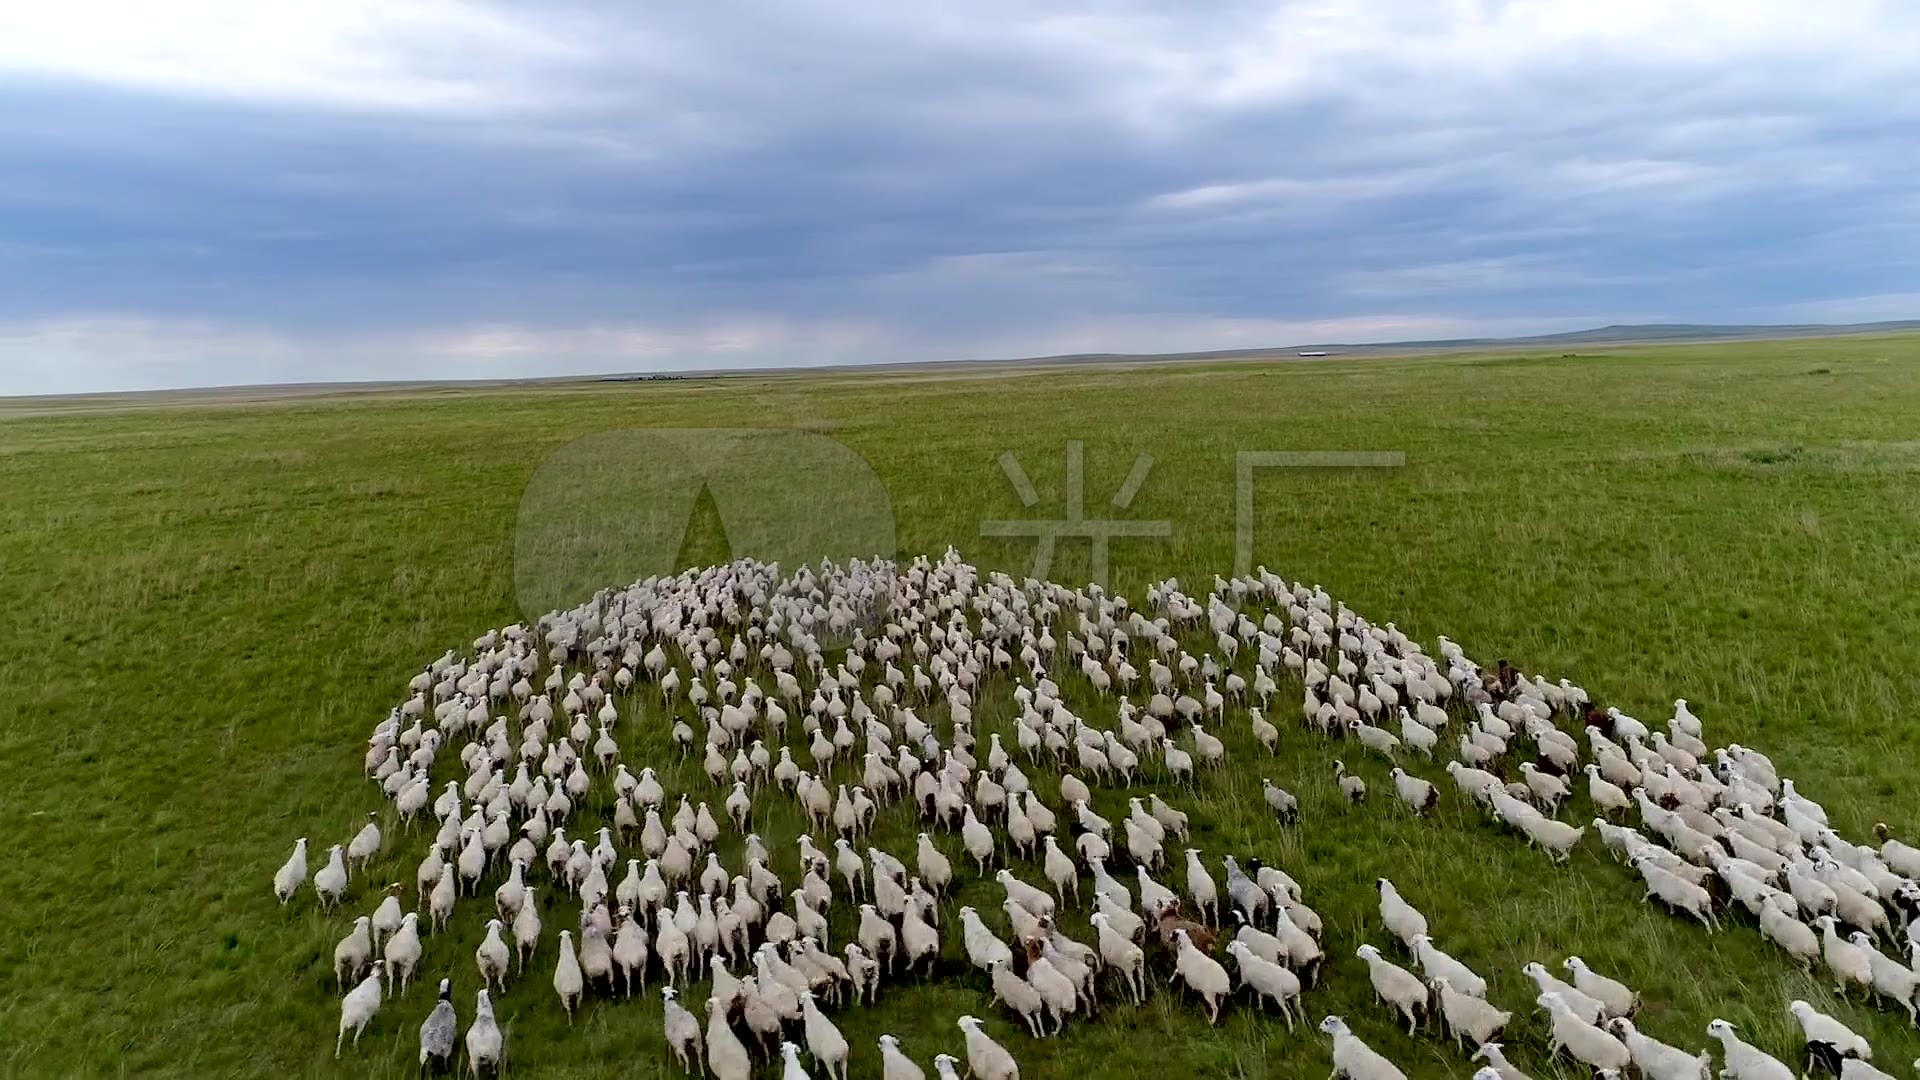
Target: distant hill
1648	332
1620	334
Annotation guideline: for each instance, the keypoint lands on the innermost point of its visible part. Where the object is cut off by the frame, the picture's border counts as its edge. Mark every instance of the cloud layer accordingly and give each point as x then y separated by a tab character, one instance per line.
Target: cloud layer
222	191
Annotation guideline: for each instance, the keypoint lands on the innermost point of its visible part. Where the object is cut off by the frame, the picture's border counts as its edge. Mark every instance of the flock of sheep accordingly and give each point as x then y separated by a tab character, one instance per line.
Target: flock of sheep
809	688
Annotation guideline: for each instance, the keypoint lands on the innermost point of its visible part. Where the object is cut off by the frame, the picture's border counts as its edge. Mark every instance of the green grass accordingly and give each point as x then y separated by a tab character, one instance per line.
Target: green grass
210	606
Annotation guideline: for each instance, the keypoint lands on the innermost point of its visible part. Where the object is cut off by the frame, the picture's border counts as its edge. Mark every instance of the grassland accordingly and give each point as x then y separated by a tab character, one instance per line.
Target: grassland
209	606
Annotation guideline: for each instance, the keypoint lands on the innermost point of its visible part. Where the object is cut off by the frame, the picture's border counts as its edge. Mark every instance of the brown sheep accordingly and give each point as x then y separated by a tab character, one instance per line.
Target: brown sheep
1168	920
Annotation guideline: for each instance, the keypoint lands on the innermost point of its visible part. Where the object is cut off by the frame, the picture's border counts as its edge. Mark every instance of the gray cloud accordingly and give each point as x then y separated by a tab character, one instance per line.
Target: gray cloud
455	188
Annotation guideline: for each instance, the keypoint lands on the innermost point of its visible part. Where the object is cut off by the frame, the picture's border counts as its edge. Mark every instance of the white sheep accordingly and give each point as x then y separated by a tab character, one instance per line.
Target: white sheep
1395	985
1819	1028
1903	858
1353	1059
1623	840
1281	801
934	867
791	1069
1556	838
1351	785
1153	895
1202	974
1659	1061
1019	995
526	931
1417	735
1549	790
1418	795
359	1006
977	838
1124	922
330	881
1477	783
1593	1046
485	1042
682	1032
1378	740
1469	1015
1848	962
1290	925
630	952
1619	999
877	937
292	873
1891	978
895	1065
492	958
824	1040
1027	896
1267	979
1206	896
386	917
1497	1067
1814	896
1793	936
984	949
1676	892
1061	993
986	1059
1263	730
1436	964
1401	919
1743	1060
352	953
568	981
1856	900
919	939
727	1058
1585	1006
1264	945
1119	953
440	902
365	843
864	973
1606	795
1179	763
402	950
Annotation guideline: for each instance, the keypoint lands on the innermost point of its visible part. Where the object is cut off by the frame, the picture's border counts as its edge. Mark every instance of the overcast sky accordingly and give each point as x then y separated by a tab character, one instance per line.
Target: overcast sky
223	191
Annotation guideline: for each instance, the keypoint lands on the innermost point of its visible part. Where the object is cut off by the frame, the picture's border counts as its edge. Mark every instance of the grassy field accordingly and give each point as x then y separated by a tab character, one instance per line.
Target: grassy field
210	606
